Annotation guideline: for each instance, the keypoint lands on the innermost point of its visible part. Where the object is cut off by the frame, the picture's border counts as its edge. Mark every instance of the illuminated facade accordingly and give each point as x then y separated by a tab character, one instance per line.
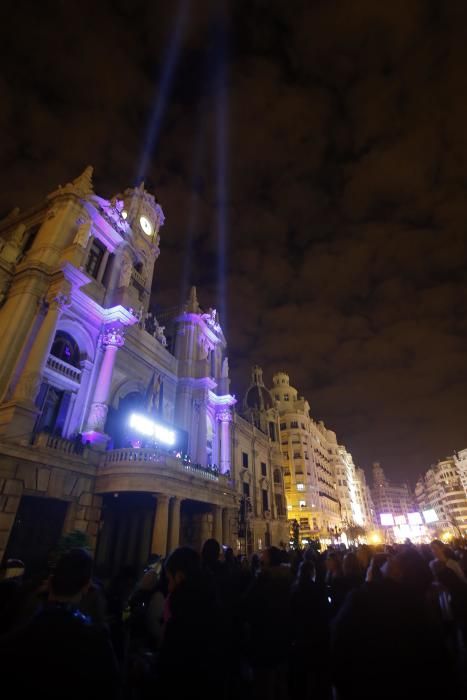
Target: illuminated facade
442	489
309	455
365	499
81	358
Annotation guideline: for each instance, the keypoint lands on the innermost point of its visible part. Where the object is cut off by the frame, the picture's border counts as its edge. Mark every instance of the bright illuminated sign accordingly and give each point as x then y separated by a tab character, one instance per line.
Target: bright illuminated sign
415	518
386	519
400	520
144	425
430	516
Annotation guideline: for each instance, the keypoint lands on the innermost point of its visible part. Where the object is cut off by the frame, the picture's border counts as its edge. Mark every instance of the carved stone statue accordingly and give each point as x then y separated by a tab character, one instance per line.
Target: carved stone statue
12	249
125	272
225	367
82	234
159	334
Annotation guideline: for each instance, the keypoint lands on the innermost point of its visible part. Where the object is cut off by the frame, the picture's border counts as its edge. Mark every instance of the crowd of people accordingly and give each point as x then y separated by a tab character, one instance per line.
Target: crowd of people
364	622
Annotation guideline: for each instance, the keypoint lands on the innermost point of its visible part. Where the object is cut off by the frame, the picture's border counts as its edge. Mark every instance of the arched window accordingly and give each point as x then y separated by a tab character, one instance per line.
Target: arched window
66	348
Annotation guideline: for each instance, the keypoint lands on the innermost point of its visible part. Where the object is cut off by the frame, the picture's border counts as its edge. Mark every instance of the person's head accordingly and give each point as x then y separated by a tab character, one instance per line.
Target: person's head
14	569
183	565
271	557
374	570
364	555
229	556
439	550
306	572
333	563
210	552
72	576
351	565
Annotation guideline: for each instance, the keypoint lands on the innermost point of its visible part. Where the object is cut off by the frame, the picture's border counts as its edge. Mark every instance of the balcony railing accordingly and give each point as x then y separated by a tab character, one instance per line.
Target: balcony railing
61	367
59	444
134	456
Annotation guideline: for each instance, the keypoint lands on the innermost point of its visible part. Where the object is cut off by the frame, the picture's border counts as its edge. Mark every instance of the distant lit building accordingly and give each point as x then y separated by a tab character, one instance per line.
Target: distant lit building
389	497
309	453
366	500
442	489
110	423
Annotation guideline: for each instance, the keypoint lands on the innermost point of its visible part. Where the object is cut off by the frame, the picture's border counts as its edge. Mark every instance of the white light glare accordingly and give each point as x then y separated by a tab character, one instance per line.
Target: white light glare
386	519
157	432
430	516
415	518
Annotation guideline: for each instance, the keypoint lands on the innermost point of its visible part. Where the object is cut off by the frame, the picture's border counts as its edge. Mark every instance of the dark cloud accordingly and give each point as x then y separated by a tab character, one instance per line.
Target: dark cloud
346	186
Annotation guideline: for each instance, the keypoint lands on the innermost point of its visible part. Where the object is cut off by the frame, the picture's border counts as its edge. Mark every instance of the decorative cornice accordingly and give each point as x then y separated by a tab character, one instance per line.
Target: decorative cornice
224	400
114	337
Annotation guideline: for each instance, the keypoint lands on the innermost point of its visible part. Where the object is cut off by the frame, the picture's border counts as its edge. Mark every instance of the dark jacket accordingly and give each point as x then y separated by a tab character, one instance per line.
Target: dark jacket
58	654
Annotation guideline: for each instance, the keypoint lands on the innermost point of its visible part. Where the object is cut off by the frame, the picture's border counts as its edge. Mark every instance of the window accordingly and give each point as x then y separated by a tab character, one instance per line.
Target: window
289	507
306	455
53	405
277	476
264	470
246	489
300	487
286	397
66	348
296	455
264	494
303	426
272	431
245	460
283	426
302	504
95	258
294	424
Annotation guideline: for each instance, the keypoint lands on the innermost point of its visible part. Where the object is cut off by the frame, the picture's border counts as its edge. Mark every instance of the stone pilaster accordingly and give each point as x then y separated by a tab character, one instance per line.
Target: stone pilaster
10	496
225	419
161	519
174	524
112	340
217	523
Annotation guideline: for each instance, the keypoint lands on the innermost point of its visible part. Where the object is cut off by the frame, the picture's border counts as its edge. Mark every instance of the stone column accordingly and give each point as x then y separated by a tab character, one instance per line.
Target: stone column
103	265
226	535
201	449
29	383
161	519
112	340
225	419
217	523
174	524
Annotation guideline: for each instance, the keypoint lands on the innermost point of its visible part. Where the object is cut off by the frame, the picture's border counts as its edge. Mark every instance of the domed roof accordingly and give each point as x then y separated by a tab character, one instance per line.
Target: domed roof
259	398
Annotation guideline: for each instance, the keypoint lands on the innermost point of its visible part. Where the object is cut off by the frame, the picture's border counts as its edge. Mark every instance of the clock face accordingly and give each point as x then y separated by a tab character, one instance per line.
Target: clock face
145	225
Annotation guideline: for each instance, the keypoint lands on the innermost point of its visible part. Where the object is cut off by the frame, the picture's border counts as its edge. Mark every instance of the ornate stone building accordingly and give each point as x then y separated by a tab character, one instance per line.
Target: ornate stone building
98	411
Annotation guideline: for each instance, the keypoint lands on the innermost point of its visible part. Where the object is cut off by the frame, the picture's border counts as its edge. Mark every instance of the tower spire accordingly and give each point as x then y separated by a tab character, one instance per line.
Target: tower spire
192	303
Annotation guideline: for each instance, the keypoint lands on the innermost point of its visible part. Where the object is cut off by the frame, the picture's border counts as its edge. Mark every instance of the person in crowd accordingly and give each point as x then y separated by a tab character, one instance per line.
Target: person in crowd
310	615
60	652
11	593
266	612
335	583
190	658
384	624
445	555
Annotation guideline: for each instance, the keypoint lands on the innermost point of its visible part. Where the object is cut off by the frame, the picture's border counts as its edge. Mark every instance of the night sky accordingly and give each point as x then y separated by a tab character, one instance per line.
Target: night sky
345	180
